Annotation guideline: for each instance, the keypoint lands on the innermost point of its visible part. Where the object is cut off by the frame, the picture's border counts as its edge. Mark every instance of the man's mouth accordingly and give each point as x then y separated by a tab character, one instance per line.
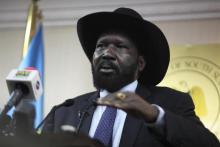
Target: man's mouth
107	69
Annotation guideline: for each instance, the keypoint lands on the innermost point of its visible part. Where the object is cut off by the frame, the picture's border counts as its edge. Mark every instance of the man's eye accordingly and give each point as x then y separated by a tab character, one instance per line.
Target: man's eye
100	45
121	46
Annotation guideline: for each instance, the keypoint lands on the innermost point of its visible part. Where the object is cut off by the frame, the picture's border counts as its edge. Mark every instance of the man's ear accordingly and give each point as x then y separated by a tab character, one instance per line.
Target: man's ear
141	63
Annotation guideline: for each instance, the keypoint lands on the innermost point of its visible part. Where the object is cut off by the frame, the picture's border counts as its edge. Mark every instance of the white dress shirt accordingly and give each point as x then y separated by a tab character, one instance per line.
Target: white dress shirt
120	116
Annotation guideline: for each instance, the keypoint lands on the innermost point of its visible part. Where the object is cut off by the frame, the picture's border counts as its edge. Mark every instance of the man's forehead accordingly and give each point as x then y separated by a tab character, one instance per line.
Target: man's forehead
117	35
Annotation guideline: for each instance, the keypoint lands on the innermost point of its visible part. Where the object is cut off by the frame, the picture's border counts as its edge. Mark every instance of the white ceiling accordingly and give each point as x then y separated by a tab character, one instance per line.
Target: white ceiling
13	13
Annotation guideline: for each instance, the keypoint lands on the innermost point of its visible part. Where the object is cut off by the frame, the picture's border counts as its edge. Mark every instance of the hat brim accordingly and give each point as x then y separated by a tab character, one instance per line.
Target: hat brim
154	45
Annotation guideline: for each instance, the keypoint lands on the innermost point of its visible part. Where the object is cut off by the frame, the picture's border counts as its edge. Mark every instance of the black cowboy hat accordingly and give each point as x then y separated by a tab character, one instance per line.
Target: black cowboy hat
150	40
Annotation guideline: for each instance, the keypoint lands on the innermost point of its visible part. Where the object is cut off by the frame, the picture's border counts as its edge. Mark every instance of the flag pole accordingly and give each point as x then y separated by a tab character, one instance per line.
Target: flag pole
30	26
33	51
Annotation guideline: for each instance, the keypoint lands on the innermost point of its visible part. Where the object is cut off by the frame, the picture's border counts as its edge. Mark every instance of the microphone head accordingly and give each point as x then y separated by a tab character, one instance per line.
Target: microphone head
25	78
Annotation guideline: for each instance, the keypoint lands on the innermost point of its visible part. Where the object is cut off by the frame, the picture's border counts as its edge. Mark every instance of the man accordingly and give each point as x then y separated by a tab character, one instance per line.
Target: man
129	57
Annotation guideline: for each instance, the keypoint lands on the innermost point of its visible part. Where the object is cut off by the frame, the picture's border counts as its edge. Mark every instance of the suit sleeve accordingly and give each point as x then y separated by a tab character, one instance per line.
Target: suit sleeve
183	128
48	126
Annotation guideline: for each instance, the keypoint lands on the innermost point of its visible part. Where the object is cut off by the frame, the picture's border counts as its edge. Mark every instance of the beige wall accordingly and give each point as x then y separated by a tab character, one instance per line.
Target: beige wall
67	71
192	31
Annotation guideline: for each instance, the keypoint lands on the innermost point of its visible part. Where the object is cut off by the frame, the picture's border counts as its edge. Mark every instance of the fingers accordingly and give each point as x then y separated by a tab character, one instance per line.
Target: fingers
130	103
114	97
119	100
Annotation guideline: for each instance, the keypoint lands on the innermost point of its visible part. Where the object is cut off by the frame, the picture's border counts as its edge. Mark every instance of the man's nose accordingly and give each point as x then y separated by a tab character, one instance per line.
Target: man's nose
109	53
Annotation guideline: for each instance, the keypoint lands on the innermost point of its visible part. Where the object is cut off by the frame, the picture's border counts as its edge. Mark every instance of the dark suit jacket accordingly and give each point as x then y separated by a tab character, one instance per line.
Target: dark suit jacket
182	127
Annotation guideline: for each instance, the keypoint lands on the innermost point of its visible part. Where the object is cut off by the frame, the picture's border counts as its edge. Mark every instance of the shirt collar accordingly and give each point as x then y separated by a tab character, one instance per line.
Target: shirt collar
130	87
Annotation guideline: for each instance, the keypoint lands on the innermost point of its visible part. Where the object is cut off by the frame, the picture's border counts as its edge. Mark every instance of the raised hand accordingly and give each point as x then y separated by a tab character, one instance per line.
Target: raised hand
132	104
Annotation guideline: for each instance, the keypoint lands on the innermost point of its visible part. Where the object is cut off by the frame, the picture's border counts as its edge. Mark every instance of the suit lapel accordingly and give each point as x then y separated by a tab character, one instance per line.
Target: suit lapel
145	93
130	131
132	125
89	107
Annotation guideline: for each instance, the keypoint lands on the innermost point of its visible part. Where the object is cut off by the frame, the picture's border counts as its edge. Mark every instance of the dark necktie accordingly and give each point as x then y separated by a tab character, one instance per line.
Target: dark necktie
104	130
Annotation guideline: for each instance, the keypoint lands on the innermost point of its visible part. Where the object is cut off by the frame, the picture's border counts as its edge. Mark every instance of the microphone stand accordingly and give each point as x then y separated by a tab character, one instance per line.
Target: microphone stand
15	98
6	125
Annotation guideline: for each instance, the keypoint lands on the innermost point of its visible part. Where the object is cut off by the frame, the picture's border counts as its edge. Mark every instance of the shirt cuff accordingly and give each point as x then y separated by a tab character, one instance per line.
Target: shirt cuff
160	118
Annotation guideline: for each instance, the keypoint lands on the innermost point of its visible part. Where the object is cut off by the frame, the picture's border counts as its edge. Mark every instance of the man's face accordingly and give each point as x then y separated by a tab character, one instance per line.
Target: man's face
115	62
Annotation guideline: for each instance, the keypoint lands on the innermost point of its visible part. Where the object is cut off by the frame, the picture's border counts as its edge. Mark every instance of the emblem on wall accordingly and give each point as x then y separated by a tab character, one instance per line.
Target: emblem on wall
200	78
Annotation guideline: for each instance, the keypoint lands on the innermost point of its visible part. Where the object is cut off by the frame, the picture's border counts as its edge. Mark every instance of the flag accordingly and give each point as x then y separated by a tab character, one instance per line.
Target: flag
33	52
35	58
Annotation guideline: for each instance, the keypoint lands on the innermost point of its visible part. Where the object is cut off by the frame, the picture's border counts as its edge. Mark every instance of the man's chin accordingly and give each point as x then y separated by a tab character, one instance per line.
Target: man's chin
109	81
106	81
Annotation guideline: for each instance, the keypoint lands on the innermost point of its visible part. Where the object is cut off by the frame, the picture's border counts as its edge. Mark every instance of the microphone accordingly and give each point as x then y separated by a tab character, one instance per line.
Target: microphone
28	78
67	103
22	84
